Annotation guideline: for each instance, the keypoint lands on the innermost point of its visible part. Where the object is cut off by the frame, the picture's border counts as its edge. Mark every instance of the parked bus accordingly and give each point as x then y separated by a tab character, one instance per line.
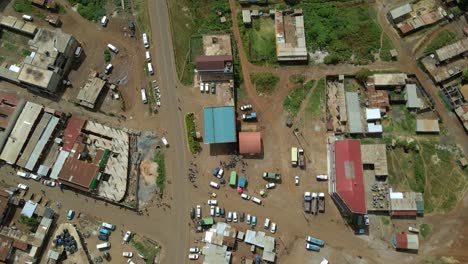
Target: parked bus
233	178
294	156
143	96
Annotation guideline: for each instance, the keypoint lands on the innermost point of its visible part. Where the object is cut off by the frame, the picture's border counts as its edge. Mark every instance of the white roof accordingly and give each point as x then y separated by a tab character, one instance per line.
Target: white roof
373	113
401	11
374	128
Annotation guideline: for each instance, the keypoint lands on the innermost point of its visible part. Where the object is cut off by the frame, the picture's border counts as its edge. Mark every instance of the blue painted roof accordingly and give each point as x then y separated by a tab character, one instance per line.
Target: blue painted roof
220	124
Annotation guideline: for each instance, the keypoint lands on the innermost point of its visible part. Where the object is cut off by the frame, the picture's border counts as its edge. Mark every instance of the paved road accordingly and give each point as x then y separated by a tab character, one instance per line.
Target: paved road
176	158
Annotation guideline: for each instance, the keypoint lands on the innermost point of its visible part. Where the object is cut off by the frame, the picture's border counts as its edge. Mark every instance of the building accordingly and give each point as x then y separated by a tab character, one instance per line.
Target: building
49	4
411	96
447	63
211	68
464	92
17	25
49	62
346	181
406	242
389	80
246	17
290	36
219	125
261	240
90	92
250	143
5	203
219	238
462	114
6	249
11	106
403	204
416	22
401	13
354	113
373	118
427	126
374	157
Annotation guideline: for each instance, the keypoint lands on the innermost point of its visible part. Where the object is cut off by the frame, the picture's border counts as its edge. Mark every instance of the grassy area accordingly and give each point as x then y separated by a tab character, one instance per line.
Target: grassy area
265	83
259	40
387	45
317	98
297	78
92	10
107	55
194	145
444	38
189	18
292	102
141	9
32	223
425	230
161	179
426	166
400	121
146	250
385	220
343	28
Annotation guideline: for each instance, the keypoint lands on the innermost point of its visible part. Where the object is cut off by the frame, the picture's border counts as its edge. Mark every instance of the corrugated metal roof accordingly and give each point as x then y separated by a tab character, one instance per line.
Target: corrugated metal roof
219	124
212	63
412	99
412	241
427	125
246	18
32	161
354	113
373	114
73	130
33	139
374	128
390	79
29	209
401	11
452	50
349	174
63	155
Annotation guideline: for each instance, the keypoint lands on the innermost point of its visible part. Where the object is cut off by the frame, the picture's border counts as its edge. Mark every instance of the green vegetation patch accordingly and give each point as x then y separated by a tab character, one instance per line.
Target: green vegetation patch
23	6
141	8
107	55
189	18
297	78
424	165
161	179
265	83
444	38
146	250
387	45
343	28
292	102
32	223
425	230
317	98
92	10
194	145
400	121
385	221
259	40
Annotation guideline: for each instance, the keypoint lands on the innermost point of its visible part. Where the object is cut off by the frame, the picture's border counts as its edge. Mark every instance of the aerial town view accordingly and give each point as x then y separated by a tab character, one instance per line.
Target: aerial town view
234	131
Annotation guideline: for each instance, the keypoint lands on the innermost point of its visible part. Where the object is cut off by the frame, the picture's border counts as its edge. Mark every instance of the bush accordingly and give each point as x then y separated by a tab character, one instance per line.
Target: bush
465	76
107	55
92	10
265	83
161	179
363	74
194	145
331	59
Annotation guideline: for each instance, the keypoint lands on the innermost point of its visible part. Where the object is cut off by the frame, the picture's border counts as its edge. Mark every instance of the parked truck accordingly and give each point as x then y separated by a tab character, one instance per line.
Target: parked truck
249	117
301	158
241	183
314	203
321	202
271	176
307	200
294	156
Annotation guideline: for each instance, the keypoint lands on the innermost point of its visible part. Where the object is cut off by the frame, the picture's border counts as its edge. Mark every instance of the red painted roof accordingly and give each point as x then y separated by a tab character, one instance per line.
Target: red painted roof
250	142
349	179
212	62
73	130
401	241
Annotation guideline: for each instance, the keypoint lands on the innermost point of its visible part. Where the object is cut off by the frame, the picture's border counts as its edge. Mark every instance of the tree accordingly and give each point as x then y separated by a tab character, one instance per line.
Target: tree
363	74
292	2
465	76
331	59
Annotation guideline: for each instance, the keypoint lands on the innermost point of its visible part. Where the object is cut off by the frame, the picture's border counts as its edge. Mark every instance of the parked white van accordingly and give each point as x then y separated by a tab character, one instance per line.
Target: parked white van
199	211
108	68
150	68
113	48
145	40
214	185
23	174
202	87
165	142
34	177
266	225
143	96
108	226
27	18
103	245
148	56
256	200
104	21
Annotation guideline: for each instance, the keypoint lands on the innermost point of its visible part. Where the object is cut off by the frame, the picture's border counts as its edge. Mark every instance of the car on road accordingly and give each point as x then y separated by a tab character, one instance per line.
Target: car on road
234	217
194	250
273	228
127	254
246	107
165	142
193	256
127	236
192	213
366	219
212	210
49	183
212	202
322	177
199	211
296	180
70	214
23	187
270	185
245	196
229	217
248	219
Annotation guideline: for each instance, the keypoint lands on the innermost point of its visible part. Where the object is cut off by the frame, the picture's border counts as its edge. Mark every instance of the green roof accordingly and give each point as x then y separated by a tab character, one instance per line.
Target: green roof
207	221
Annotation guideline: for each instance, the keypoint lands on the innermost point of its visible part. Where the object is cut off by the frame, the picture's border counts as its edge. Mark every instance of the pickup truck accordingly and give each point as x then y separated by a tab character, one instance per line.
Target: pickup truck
314	203
301	157
321	202
307	200
271	176
249	117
